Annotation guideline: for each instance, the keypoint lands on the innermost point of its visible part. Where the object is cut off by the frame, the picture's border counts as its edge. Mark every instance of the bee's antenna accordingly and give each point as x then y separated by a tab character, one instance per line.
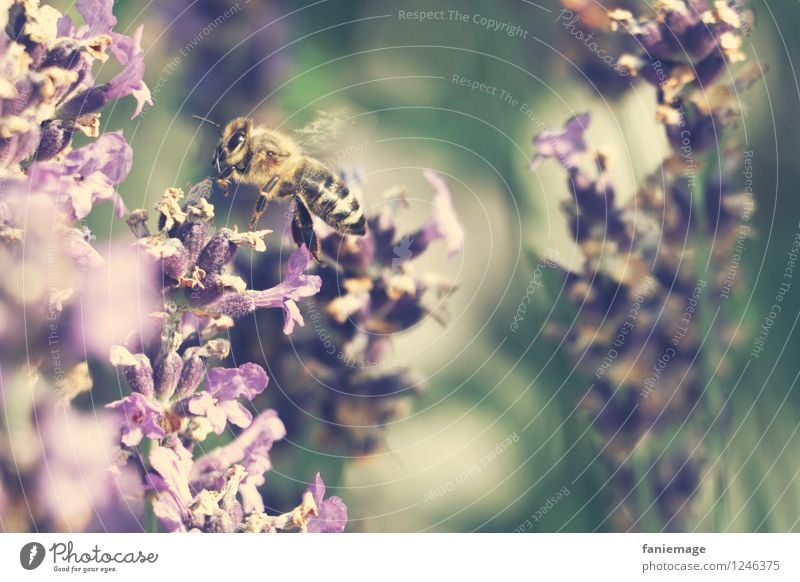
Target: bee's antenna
214	123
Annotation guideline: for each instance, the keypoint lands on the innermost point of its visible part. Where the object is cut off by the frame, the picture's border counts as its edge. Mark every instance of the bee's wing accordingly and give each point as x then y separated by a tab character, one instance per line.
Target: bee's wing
326	128
331	131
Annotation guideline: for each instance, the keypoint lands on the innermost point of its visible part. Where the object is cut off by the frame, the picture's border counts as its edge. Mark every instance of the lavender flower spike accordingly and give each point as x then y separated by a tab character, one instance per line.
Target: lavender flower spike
204	495
127	50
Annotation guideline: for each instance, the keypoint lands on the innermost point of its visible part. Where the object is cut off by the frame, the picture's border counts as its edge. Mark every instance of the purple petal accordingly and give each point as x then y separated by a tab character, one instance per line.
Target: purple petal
169	511
98	17
295	286
204	404
73	486
236	413
118	301
128	51
173	466
292	315
140	418
564	146
251	450
331	513
297	264
79	250
317	489
443	223
248	380
86	175
109	154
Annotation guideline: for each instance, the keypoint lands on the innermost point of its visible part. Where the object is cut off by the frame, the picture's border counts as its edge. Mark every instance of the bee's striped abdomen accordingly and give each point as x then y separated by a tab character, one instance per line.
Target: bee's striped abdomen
329	198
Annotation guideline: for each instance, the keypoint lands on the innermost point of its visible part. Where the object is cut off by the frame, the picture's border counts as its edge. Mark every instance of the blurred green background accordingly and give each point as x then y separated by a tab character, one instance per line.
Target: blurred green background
395	77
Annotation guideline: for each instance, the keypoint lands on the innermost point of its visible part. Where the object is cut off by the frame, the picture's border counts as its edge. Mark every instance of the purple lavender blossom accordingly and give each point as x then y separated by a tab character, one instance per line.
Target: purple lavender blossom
98	16
172	465
224	385
251	450
196	262
443	223
565	146
204	495
137	370
50	91
246	381
78	486
295	286
86	176
154	408
141	417
376	269
128	51
685	47
639	276
64	476
331	513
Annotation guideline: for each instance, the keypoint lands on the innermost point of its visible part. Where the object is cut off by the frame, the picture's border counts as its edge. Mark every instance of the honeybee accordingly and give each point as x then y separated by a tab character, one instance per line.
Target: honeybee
253	154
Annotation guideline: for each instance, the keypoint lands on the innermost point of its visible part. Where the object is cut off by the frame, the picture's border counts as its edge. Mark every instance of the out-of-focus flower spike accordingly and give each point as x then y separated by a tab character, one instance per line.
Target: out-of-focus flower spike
564	146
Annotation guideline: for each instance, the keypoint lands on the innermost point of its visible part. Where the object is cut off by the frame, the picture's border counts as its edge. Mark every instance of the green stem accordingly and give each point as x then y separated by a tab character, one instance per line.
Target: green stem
714	397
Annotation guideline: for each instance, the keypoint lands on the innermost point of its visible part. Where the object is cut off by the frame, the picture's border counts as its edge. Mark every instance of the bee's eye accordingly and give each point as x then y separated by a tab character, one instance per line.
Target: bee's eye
237	139
271	154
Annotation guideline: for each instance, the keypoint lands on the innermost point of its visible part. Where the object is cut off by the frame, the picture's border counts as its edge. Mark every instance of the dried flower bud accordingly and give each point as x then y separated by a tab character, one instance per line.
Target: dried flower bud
137	221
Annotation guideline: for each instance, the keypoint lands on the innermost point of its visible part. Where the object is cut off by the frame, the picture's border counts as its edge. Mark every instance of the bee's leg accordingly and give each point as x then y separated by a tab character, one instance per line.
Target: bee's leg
223	185
263	201
261	206
303	229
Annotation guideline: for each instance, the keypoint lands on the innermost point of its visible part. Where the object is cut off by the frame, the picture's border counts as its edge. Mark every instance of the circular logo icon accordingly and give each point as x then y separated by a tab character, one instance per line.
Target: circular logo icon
31	555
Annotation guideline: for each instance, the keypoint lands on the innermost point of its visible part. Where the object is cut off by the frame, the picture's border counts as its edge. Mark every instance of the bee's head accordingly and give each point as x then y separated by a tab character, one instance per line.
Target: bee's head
233	148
